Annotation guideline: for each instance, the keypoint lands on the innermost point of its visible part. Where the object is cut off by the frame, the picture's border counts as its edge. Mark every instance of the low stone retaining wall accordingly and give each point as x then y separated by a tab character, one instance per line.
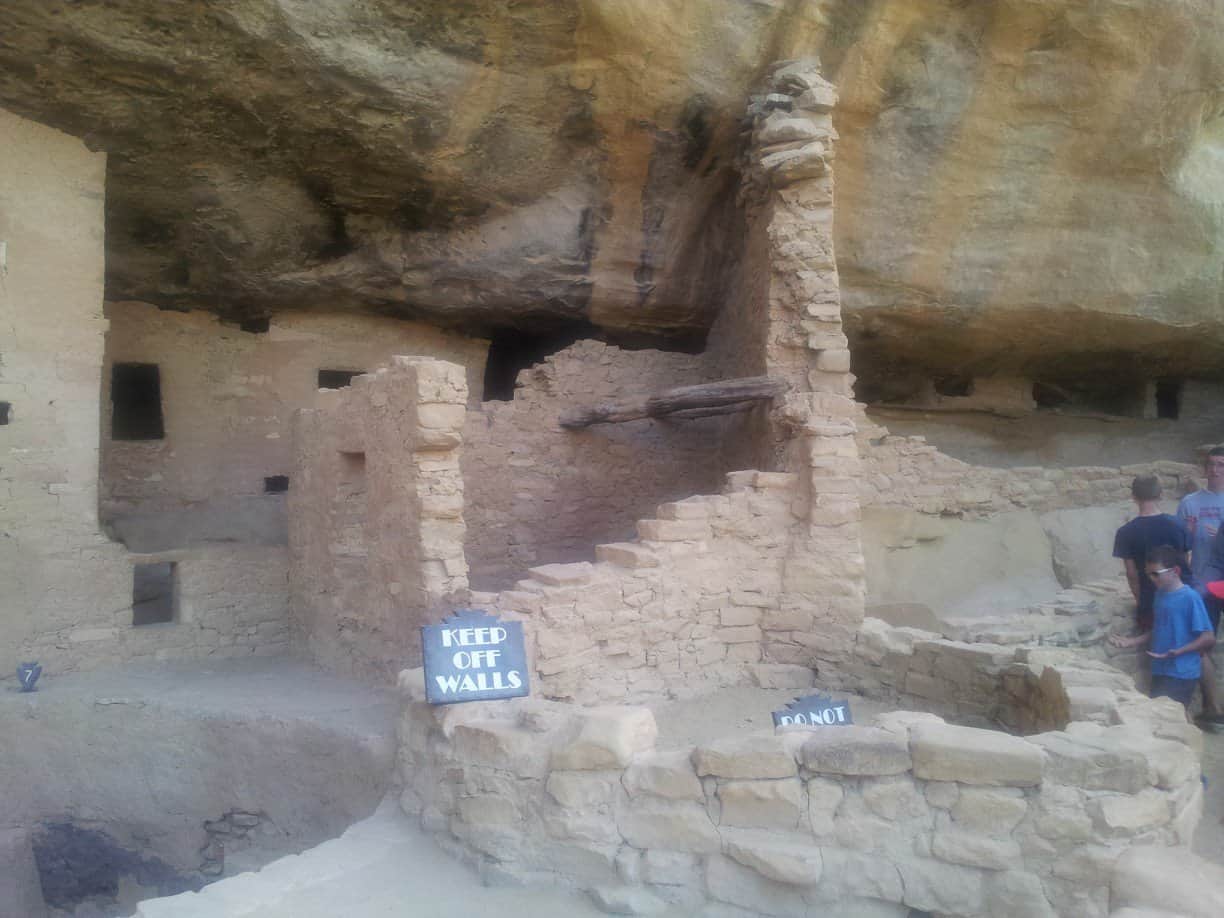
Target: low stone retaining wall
912	812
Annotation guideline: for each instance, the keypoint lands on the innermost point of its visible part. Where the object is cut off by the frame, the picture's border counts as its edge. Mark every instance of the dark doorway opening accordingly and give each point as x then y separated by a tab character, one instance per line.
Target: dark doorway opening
1168	398
512	350
136	402
153	593
5	408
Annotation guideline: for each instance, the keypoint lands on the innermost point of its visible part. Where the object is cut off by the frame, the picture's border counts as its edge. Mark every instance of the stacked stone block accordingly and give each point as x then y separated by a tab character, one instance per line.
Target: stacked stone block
696	604
537	494
376	516
909	813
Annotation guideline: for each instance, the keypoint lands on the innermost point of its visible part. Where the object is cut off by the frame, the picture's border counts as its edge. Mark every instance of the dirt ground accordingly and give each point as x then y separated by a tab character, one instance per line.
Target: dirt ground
1209	839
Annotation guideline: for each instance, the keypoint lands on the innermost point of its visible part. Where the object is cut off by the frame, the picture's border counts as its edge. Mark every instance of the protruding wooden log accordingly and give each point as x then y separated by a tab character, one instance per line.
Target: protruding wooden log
683	399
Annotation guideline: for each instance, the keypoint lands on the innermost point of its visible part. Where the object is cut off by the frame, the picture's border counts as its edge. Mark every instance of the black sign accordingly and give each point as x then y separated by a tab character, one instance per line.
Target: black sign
814	711
474	656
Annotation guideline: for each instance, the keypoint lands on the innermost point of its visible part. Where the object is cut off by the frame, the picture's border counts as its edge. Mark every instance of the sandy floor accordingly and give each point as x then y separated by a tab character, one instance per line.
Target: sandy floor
1209	840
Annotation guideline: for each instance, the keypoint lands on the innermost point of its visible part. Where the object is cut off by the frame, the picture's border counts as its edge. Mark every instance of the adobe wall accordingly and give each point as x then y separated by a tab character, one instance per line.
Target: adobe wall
910	472
229	601
698	603
68	589
59	571
227	400
537	494
376	519
1000	425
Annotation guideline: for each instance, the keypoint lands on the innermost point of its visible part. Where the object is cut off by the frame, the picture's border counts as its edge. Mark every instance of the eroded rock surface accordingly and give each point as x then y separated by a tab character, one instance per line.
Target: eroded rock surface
1025	185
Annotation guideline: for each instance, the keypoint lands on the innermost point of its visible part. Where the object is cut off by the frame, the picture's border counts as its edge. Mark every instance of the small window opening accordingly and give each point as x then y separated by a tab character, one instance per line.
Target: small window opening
1168	398
136	400
153	593
954	386
336	379
5	408
258	326
276	484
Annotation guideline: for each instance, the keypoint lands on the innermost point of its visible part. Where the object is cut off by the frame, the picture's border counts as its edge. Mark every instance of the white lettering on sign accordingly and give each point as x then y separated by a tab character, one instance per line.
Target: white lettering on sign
479	682
829	716
475	659
467	637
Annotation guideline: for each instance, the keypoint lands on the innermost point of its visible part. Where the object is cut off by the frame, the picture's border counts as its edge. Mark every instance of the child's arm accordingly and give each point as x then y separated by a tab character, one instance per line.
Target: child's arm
1202	643
1139	640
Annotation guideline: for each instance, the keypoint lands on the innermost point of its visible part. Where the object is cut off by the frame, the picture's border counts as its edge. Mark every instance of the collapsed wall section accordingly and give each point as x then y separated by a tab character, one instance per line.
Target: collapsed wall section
696	604
538	494
764	583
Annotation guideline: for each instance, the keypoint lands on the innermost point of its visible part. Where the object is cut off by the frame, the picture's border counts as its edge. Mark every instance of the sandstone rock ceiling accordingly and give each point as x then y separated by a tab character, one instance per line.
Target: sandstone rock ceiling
1024	185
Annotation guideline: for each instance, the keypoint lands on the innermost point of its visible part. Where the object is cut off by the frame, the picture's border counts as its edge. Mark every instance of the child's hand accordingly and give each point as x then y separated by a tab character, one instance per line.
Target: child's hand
1167	655
1118	640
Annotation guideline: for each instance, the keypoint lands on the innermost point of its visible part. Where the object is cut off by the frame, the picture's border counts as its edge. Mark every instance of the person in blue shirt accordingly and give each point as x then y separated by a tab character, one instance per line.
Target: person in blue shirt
1181	630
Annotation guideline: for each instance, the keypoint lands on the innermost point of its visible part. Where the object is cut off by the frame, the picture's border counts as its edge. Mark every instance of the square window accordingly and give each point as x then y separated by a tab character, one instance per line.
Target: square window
276	484
336	379
153	593
136	400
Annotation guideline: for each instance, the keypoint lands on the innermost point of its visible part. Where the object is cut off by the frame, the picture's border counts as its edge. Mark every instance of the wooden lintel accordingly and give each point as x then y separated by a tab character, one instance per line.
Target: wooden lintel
682	401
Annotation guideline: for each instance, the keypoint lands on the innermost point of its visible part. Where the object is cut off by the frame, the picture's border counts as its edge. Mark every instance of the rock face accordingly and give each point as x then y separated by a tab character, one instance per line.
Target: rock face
1025	185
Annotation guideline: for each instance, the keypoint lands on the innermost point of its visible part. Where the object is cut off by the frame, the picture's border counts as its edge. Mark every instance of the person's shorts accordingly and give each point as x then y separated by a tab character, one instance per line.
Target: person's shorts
1171	687
1214	607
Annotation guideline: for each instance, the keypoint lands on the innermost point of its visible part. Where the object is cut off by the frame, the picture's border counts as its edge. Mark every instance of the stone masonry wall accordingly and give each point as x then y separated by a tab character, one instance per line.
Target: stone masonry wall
227	399
908	471
538	494
68	590
788	192
376	519
697	603
59	571
909	813
228	601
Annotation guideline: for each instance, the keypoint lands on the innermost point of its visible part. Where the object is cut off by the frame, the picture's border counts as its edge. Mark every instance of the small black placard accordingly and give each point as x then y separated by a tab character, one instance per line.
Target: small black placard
474	656
814	711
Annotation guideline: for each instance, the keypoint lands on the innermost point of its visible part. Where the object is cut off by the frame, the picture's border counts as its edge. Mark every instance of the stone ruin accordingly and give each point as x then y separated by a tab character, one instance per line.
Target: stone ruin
324	486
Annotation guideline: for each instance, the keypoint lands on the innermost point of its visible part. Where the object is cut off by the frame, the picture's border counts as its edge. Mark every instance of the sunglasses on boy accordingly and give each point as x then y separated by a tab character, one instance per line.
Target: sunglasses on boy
1163	570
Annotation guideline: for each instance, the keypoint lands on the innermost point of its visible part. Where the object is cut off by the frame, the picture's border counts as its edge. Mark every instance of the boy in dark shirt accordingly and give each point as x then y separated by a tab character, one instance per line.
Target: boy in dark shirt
1181	631
1136	539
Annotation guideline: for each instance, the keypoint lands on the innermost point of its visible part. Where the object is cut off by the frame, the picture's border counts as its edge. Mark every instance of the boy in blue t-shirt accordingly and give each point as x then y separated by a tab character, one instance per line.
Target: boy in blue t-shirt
1180	631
